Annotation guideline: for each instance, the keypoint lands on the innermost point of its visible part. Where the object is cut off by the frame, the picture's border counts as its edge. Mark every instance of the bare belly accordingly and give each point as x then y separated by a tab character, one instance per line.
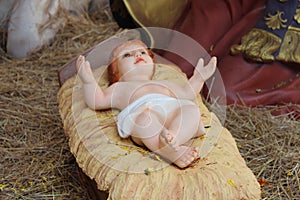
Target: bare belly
150	88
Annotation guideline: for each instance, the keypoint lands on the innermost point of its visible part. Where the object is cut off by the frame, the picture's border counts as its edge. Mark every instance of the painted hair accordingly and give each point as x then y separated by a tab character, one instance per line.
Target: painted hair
113	70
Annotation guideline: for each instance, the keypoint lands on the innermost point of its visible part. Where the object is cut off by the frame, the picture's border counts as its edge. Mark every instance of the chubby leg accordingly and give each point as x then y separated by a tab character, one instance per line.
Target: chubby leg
146	125
186	124
147	131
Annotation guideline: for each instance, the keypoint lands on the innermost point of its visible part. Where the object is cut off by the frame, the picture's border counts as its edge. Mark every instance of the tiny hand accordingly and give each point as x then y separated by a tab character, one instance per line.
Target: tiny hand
206	71
84	70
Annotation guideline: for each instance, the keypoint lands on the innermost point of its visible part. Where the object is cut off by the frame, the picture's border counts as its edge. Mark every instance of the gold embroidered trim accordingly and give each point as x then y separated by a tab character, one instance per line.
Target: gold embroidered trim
258	45
290	49
297	15
275	21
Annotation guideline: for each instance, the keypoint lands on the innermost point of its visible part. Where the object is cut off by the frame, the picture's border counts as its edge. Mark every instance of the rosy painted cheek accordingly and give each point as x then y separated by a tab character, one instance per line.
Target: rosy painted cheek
148	59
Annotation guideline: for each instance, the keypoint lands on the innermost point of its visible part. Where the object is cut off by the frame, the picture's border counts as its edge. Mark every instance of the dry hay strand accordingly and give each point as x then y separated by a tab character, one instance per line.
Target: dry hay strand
270	146
35	160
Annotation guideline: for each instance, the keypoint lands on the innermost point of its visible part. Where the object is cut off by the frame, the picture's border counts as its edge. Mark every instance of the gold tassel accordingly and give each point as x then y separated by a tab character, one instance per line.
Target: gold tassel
258	45
290	49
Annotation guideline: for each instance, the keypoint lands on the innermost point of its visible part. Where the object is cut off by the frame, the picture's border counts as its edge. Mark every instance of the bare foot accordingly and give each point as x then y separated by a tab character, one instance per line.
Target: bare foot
168	139
182	157
190	154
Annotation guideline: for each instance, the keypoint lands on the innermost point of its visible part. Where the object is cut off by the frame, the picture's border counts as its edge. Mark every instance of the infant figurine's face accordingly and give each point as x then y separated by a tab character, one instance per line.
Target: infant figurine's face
134	63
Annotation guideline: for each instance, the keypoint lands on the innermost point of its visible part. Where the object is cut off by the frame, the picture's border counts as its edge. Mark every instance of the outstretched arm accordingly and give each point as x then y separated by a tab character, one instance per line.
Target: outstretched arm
94	97
201	74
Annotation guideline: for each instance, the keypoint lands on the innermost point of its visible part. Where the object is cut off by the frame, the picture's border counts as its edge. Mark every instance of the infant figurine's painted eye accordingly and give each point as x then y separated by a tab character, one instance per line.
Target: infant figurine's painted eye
143	52
126	55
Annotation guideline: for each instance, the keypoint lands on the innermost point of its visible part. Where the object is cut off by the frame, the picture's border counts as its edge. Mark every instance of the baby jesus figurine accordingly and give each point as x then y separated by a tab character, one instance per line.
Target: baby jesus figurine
158	114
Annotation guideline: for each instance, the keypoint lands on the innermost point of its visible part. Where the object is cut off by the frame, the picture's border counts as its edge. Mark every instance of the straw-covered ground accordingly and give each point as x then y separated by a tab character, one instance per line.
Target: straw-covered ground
35	161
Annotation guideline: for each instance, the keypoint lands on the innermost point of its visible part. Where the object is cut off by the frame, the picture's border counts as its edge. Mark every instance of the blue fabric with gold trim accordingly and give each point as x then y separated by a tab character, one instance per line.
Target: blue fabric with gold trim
275	36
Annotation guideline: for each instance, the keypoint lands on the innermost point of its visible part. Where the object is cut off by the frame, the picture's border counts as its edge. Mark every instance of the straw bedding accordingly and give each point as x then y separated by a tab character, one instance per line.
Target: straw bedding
35	159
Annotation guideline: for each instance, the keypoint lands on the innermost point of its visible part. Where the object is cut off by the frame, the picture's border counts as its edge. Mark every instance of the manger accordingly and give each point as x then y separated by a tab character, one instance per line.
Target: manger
125	170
